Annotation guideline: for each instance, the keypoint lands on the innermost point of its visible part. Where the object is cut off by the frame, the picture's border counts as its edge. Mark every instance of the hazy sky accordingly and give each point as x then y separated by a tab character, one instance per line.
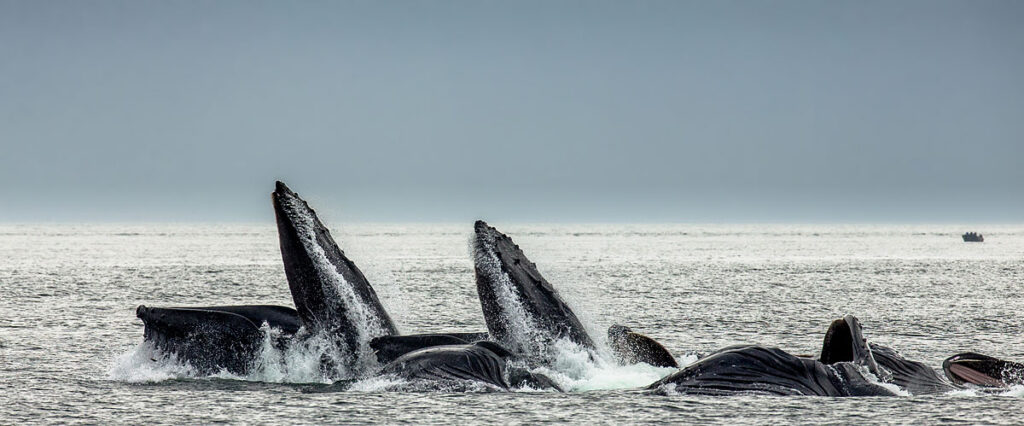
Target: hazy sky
835	111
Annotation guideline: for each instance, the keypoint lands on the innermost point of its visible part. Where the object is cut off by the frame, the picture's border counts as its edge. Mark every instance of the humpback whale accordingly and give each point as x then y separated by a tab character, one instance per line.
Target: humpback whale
769	370
217	337
523	311
913	376
844	368
845	342
332	297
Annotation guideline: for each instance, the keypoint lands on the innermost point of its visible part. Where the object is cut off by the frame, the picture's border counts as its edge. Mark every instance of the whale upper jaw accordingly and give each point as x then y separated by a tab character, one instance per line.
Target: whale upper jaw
325	285
215	338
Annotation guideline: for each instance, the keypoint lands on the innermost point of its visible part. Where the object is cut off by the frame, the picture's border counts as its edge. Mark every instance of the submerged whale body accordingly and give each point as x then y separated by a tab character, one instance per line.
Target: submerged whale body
463	367
523	311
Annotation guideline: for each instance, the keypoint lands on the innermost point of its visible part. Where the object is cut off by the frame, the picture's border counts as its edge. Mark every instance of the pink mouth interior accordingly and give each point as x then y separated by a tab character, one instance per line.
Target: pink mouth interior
976	377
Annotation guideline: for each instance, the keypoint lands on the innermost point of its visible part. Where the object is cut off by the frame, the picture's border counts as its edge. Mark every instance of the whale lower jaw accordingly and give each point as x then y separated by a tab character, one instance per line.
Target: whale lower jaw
967	374
982	370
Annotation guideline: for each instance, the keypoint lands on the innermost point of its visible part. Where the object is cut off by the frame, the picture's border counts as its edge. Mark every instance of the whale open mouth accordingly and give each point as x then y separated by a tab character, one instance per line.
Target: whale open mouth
982	370
838	344
845	342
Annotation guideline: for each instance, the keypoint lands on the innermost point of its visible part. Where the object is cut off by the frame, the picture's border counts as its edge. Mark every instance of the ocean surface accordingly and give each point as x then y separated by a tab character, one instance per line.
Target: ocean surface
71	347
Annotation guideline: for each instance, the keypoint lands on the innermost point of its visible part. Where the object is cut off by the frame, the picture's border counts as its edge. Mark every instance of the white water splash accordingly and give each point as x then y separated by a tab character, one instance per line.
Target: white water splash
298	362
962	392
1016	391
576	368
891	387
377	384
145	363
391	383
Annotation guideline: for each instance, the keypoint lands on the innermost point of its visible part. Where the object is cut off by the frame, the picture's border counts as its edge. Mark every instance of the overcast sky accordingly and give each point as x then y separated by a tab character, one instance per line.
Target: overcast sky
712	111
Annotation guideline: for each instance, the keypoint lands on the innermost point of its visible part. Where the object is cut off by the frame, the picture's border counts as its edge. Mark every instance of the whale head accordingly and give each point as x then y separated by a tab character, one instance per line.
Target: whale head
523	311
330	293
982	370
845	342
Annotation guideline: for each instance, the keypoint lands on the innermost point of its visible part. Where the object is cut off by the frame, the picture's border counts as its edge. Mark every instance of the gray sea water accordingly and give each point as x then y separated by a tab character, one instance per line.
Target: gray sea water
70	343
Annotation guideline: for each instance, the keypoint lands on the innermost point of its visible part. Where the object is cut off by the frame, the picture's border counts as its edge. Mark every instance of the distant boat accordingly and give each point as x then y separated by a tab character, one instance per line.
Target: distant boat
973	237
